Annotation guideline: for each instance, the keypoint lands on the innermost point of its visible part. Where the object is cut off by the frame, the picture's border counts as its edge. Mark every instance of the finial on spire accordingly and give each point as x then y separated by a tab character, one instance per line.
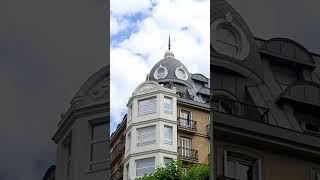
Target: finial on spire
169	53
169	44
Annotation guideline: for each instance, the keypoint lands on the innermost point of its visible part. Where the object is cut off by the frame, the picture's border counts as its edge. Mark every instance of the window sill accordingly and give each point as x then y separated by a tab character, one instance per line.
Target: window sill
95	170
146	143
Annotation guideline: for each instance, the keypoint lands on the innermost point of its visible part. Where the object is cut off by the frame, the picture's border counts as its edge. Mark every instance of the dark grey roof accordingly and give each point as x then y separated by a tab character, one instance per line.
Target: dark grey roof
171	64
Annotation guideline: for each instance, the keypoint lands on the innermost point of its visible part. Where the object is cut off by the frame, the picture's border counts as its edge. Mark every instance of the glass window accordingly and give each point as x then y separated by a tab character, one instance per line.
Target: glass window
130	111
238	168
185	119
168	134
98	155
127	171
167	160
129	141
168	105
147	106
145	166
146	135
67	147
227	42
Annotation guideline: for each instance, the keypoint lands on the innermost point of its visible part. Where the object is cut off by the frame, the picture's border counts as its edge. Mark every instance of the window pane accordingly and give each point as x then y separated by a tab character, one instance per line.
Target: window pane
98	151
225	48
168	105
98	166
147	106
145	166
230	169
244	171
168	134
226	35
167	160
146	135
99	131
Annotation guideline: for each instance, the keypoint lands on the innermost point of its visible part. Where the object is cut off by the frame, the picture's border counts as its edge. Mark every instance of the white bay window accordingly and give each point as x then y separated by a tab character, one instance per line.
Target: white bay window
167	103
146	135
168	134
145	166
147	106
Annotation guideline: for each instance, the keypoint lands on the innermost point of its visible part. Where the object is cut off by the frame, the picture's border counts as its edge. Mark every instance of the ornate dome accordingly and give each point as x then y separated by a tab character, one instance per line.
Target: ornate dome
170	69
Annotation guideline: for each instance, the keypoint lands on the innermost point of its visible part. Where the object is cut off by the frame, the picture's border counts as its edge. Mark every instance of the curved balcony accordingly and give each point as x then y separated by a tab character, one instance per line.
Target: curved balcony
188	154
240	109
187	125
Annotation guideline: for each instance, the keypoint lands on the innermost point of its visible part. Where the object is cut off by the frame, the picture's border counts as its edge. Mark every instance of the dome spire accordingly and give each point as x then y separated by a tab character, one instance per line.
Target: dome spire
169	53
169	44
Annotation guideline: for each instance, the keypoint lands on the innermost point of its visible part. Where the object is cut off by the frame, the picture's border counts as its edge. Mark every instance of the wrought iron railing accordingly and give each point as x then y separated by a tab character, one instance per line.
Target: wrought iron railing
118	174
187	123
187	153
240	109
118	149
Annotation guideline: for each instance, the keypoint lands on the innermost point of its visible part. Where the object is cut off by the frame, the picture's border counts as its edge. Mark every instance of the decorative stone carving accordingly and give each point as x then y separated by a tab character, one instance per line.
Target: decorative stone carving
147	87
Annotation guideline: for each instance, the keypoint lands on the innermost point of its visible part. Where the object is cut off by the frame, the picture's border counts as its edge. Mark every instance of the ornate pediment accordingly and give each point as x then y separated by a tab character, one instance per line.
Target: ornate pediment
146	87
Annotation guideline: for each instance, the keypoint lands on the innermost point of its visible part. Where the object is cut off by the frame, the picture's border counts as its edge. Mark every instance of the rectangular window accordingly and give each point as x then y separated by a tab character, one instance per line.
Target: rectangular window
315	174
129	141
127	171
168	105
130	111
145	166
67	151
240	168
185	119
98	141
147	106
167	160
186	147
168	134
146	135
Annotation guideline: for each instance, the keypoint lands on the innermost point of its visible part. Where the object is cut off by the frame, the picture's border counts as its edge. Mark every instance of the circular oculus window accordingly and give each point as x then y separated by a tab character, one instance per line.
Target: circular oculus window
181	73
160	73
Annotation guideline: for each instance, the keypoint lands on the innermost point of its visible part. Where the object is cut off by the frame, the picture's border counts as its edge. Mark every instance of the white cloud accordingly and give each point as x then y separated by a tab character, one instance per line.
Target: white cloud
129	7
187	21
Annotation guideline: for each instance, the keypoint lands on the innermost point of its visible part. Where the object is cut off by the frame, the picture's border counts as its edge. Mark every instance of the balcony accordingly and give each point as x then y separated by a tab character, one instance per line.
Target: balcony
188	154
118	174
117	151
187	125
240	109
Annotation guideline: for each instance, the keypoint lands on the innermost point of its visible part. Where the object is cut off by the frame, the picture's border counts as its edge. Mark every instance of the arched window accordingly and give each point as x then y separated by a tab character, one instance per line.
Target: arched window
227	41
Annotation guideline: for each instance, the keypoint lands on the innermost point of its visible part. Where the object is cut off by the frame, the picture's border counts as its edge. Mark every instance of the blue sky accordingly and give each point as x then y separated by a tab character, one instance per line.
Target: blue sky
139	38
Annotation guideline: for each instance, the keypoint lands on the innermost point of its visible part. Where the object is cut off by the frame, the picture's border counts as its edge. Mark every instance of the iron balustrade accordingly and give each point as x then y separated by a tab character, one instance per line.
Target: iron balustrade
118	149
187	153
187	123
240	109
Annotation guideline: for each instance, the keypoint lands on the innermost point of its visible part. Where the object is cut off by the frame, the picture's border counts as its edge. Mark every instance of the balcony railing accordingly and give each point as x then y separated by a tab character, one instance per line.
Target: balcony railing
117	150
118	174
187	124
188	154
240	109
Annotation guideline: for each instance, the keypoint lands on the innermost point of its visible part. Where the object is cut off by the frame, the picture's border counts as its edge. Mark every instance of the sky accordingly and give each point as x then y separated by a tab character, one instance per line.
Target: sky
139	39
48	49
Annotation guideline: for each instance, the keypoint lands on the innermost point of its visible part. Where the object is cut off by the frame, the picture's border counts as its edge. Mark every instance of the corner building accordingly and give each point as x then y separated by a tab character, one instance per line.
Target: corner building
168	118
266	100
